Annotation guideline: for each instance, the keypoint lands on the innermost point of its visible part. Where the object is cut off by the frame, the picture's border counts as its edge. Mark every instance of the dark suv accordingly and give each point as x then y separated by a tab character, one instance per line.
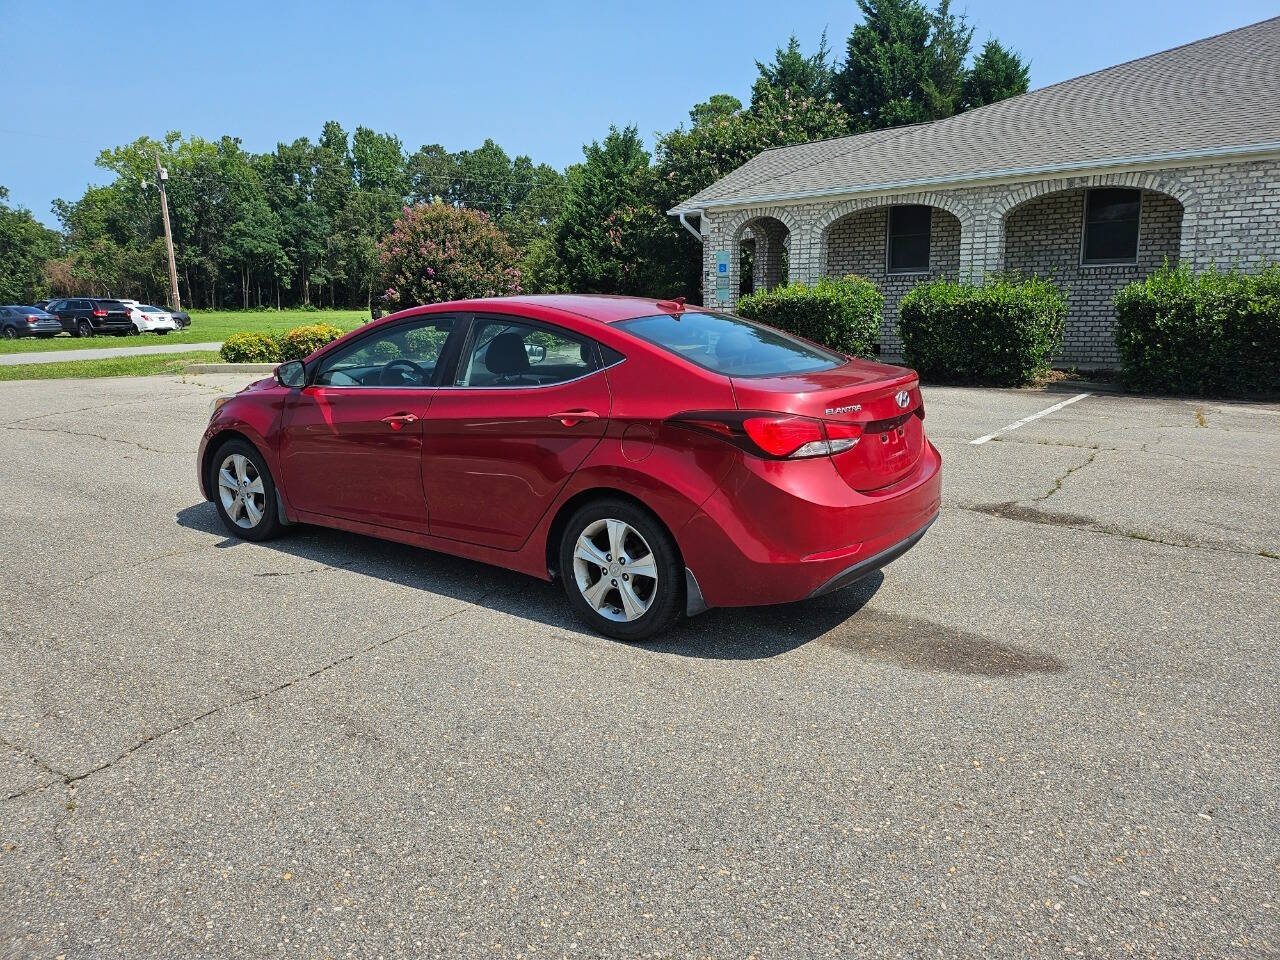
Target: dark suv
83	317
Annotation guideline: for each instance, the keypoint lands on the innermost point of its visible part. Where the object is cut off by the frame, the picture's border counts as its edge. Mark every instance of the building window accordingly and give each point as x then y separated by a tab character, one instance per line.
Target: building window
1111	226
909	239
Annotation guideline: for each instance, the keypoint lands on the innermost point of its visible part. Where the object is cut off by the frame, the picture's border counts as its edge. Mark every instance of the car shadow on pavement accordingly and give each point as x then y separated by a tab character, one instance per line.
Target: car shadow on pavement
837	621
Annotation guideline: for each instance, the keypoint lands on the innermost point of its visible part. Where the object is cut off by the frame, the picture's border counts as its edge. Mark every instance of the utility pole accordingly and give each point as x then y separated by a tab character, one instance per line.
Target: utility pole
162	175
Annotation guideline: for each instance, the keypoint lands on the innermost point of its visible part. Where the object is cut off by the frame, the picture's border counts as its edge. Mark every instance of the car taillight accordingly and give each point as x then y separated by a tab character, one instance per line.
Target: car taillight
777	436
842	436
786	436
99	312
33	319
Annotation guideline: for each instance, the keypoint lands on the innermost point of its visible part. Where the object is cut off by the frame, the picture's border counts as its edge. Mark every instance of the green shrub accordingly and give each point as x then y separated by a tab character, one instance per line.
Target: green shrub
1211	332
300	342
250	348
843	314
1002	332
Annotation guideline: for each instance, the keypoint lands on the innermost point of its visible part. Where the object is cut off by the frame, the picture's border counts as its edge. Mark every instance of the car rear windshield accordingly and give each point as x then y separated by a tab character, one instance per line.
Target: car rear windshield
731	345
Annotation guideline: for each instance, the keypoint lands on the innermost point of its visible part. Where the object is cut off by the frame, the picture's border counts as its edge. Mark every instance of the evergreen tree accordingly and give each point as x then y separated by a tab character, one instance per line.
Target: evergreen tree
998	73
794	73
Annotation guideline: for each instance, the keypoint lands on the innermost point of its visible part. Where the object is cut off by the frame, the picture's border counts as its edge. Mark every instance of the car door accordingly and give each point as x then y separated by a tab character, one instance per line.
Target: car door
350	441
528	404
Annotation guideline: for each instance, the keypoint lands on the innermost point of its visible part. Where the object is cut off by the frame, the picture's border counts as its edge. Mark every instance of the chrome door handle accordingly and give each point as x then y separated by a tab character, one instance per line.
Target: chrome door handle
398	420
571	418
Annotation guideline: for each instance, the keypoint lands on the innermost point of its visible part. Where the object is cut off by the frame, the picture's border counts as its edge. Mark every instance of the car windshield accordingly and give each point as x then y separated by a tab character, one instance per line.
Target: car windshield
731	345
147	308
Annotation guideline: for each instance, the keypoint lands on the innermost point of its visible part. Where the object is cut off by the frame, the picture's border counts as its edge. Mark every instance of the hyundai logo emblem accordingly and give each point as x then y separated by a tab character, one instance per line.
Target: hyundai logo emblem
903	398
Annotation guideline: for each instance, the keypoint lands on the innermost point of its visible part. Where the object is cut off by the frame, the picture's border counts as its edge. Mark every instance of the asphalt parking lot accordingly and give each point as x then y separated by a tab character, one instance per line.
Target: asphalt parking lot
1050	729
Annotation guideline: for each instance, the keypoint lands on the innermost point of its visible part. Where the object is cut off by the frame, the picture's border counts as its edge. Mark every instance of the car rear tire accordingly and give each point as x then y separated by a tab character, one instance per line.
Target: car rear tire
621	570
84	329
243	491
10	333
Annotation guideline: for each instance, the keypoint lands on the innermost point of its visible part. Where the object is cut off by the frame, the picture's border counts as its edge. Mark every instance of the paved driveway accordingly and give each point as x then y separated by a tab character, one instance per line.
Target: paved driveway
1050	729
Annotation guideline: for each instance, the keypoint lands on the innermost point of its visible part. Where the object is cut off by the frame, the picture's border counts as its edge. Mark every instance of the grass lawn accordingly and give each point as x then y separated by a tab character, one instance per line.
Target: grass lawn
207	326
145	366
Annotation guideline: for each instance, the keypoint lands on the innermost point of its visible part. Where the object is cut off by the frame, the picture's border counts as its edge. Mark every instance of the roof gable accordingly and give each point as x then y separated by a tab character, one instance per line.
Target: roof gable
1216	94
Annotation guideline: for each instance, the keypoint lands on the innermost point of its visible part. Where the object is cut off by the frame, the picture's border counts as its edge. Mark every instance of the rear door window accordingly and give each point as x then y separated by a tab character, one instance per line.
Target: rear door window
731	345
508	353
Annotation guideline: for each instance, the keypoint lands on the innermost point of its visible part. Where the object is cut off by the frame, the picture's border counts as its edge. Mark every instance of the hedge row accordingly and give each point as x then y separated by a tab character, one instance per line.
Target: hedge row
1003	331
1211	332
843	314
296	344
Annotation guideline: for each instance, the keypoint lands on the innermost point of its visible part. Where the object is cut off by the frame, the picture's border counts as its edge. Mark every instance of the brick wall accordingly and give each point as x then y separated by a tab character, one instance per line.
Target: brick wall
1230	216
1042	238
857	244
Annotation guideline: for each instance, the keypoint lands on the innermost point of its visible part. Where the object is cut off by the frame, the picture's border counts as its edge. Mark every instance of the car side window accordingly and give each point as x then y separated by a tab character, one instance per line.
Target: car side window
401	356
506	353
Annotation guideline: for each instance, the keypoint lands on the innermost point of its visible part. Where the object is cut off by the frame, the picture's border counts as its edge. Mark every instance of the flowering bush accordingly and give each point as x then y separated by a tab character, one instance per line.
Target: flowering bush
438	252
300	342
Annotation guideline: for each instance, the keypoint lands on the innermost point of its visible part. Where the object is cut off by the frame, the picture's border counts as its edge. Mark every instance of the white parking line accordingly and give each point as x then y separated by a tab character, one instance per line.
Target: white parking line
1035	416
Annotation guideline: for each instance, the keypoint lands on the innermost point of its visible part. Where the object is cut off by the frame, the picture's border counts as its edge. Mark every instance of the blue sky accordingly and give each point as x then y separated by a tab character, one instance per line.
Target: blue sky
540	78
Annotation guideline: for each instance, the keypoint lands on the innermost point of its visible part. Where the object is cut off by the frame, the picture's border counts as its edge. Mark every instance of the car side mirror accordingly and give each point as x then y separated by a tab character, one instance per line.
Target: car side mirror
291	374
536	352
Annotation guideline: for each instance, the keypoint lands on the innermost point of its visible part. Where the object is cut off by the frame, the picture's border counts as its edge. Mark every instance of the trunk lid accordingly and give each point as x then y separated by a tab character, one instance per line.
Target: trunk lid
860	392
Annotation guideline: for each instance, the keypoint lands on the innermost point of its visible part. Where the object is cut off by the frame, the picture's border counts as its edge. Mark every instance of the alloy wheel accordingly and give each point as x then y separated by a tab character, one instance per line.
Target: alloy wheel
616	570
241	491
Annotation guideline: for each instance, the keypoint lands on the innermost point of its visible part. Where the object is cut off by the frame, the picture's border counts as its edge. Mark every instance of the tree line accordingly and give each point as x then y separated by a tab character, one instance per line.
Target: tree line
307	223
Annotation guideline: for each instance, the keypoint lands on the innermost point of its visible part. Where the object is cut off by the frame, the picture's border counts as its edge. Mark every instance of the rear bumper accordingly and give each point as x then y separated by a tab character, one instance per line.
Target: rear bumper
43	328
150	326
863	568
770	535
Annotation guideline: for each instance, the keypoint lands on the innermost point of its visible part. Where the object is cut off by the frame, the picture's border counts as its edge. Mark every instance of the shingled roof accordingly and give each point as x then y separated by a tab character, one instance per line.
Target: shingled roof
1216	96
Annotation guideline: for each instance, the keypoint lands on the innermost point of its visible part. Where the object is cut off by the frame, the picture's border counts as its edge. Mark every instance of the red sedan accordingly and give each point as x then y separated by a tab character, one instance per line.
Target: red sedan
655	459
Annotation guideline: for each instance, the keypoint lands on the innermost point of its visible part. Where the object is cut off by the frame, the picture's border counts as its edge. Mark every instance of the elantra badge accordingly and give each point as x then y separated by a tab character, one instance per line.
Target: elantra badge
852	408
903	398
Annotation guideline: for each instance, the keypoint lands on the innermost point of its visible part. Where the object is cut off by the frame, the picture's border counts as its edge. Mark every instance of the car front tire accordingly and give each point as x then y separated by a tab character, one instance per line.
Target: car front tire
621	570
244	492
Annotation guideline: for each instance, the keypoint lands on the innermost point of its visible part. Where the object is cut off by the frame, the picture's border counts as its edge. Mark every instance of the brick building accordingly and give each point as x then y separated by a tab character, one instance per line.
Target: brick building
1092	182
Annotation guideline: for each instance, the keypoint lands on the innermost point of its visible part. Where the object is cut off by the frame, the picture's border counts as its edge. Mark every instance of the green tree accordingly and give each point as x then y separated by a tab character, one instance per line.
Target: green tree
608	234
792	72
906	63
997	74
887	65
690	160
26	245
716	107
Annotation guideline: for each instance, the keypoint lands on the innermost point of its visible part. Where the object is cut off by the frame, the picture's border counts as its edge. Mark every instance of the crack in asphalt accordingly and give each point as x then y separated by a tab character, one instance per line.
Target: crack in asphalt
68	779
93	436
96	406
1057	484
347	564
1024	513
124	568
36	760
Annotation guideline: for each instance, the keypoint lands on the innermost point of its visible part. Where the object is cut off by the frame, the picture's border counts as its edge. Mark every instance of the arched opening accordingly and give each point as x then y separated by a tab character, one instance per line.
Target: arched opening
896	246
1092	241
763	245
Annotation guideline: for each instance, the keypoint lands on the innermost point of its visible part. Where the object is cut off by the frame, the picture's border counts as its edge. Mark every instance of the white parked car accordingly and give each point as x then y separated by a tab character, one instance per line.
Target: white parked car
149	319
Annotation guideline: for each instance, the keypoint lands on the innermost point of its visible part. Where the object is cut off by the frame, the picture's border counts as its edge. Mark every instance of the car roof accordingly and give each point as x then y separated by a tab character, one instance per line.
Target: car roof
606	308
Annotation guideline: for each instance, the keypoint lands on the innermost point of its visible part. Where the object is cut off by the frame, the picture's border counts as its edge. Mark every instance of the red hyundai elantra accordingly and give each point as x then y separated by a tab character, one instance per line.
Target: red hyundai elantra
656	459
